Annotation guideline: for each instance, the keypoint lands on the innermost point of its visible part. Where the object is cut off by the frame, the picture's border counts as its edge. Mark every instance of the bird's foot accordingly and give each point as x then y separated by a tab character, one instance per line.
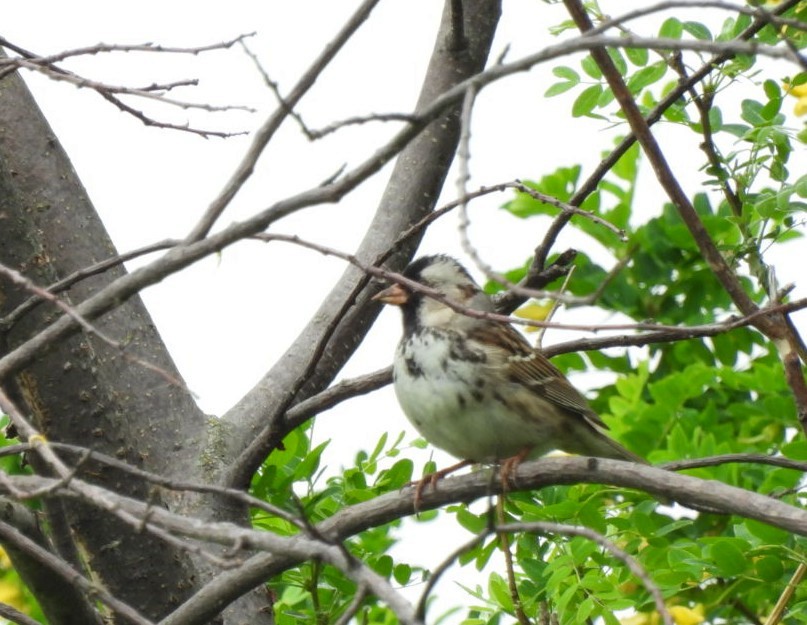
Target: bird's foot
508	469
431	480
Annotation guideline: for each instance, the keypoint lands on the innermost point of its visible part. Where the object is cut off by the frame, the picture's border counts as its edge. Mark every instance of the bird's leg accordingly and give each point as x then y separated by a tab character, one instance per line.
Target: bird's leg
509	466
432	478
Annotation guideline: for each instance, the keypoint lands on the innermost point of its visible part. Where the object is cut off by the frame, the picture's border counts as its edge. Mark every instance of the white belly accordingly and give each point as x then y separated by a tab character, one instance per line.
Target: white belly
455	409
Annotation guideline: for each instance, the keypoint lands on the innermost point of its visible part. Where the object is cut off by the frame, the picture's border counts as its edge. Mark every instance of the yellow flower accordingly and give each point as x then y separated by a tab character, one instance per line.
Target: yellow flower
640	618
681	615
534	312
5	561
800	92
687	616
12	595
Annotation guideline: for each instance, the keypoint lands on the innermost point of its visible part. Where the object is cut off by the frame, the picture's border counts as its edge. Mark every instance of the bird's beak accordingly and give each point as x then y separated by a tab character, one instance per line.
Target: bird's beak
395	295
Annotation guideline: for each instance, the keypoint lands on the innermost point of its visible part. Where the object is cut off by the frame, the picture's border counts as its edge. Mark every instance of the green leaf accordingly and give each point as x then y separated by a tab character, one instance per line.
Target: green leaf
715	119
769	569
619	61
770	111
800	186
586	101
310	463
591	68
558	88
766	533
472	522
606	98
698	30
379	447
676	112
728	557
772	90
637	56
585	609
797	450
567	73
570	79
382	565
672	28
499	592
399	474
647	76
402	573
751	112
743	22
738	130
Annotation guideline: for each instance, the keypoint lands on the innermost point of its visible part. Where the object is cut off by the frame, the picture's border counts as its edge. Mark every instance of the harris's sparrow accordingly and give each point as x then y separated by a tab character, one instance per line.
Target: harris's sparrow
475	387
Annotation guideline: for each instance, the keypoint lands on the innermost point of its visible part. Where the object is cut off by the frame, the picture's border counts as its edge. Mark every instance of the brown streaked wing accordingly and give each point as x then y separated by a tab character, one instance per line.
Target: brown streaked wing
531	368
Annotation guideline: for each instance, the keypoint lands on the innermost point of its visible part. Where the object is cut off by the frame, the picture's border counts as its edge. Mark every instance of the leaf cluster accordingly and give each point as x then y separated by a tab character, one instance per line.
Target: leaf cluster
725	394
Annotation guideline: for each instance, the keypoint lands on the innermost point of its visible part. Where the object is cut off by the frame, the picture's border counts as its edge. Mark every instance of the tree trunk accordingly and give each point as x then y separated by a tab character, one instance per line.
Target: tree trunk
84	391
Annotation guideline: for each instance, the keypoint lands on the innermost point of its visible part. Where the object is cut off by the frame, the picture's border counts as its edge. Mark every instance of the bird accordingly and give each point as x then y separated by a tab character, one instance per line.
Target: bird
474	386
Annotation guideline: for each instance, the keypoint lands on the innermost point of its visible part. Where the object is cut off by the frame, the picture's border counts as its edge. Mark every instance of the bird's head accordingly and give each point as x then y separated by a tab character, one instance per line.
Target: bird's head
448	278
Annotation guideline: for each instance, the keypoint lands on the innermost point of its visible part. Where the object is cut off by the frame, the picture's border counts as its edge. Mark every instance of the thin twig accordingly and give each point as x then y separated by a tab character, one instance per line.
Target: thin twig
15	315
17	278
504	538
265	133
464	175
15	616
438	572
781	604
398	278
354	607
105	48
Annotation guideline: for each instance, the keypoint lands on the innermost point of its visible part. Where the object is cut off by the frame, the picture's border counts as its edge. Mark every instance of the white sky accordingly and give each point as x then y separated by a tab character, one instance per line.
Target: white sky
150	184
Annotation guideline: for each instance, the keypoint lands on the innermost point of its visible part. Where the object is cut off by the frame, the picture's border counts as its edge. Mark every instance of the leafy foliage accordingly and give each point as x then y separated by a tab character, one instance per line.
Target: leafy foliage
724	394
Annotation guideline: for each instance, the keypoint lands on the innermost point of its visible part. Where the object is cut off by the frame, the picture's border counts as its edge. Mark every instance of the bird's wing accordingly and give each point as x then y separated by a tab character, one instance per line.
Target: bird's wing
530	367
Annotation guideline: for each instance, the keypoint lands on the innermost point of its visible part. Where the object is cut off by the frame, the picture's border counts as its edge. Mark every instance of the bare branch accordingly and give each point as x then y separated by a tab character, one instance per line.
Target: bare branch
265	133
440	569
174	484
354	607
15	315
287	551
685	489
151	92
104	48
47	66
394	277
179	258
711	461
16	277
150	121
358	121
15	616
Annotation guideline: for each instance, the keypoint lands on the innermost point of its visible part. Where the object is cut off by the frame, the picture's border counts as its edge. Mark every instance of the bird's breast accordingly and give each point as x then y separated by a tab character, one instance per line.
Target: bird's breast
453	397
